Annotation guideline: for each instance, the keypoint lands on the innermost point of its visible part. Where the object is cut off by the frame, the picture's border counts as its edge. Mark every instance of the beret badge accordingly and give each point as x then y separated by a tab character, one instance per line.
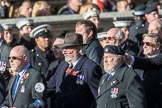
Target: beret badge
106	50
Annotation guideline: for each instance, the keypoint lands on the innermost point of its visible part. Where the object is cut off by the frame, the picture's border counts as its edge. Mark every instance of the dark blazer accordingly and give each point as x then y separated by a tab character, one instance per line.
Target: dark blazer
94	51
4	54
28	44
39	60
153	87
148	63
135	36
66	10
79	88
26	93
2	89
123	90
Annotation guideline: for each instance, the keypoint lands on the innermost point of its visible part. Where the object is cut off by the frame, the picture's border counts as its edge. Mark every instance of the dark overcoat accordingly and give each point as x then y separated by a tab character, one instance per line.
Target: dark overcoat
79	88
153	87
123	90
41	60
94	51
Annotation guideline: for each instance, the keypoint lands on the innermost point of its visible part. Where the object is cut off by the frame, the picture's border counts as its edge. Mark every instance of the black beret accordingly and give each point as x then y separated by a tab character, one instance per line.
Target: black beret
152	2
151	8
114	50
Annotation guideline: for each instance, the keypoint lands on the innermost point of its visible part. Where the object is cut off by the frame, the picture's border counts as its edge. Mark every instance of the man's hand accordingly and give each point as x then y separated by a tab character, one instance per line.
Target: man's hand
129	60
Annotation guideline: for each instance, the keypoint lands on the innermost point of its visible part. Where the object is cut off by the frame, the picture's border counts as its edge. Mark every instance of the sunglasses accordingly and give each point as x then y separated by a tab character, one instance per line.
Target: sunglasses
14	58
148	44
109	38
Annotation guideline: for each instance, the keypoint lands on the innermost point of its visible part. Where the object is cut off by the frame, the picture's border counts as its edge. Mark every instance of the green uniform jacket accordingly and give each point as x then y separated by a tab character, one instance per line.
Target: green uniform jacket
28	90
123	90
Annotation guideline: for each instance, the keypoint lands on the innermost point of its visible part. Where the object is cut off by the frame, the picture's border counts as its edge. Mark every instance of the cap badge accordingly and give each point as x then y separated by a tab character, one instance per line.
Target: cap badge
45	30
106	50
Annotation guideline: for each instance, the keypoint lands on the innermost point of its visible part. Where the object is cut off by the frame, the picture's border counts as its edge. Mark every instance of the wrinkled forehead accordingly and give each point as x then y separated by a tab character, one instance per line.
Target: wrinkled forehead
58	41
148	39
109	55
112	32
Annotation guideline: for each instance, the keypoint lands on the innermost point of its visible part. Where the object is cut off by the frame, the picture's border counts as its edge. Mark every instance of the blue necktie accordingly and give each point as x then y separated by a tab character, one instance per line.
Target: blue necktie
15	85
109	76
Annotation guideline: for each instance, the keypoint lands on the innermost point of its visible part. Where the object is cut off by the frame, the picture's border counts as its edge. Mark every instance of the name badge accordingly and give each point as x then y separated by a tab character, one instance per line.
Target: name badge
22	89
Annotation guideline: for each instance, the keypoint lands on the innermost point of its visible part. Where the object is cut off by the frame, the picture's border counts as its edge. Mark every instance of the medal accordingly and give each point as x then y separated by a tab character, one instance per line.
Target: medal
113	82
114	92
103	81
99	89
80	79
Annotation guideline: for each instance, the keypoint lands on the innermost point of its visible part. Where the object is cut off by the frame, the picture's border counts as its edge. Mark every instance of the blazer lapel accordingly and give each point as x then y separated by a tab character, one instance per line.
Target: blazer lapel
108	85
62	71
80	63
118	76
10	90
22	81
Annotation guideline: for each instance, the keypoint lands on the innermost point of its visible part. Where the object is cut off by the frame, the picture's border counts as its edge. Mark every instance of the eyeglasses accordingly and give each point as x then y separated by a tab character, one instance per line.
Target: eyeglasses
148	44
109	38
14	58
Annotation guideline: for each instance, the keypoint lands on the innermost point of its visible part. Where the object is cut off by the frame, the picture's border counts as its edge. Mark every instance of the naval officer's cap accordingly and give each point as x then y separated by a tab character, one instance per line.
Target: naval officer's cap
139	10
120	24
101	35
7	27
90	14
24	22
42	30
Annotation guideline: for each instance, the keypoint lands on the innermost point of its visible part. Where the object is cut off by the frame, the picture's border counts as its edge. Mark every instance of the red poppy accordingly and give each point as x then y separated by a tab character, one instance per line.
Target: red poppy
26	76
74	73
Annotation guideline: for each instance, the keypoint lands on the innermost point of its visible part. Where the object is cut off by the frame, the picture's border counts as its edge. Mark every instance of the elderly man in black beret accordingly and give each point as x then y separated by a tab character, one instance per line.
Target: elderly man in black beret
120	87
41	56
77	78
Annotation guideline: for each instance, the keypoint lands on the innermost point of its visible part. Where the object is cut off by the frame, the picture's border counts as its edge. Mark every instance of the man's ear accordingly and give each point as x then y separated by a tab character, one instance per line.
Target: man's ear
90	32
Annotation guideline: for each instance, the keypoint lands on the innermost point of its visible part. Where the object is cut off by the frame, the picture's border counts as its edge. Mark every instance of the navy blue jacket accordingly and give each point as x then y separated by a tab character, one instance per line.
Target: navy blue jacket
79	88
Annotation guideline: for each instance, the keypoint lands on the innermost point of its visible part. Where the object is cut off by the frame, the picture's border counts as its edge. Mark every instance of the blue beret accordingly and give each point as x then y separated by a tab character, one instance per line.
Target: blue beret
114	50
